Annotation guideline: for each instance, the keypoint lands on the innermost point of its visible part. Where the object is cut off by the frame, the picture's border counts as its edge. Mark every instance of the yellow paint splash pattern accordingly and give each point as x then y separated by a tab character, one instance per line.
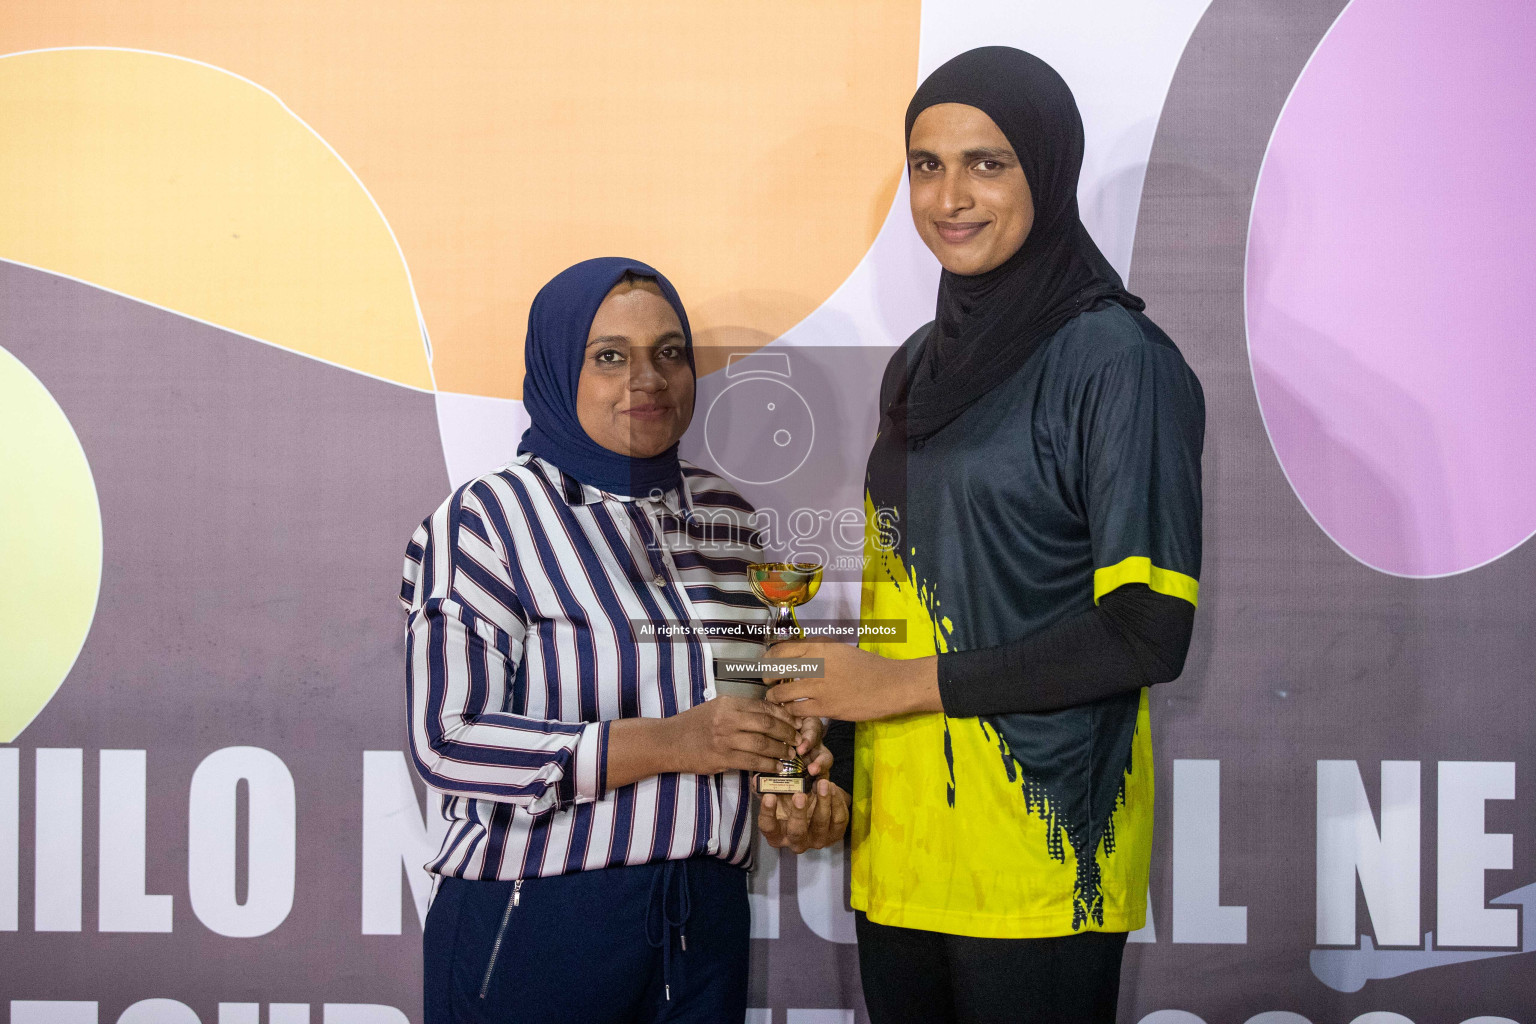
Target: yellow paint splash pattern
50	547
1063	839
192	189
942	858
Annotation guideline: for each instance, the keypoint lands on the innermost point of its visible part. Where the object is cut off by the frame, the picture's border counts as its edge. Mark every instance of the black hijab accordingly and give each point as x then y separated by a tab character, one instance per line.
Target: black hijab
989	324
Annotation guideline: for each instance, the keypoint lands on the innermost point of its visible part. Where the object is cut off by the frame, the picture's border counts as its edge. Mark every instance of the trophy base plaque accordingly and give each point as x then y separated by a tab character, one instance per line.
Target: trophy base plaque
785	784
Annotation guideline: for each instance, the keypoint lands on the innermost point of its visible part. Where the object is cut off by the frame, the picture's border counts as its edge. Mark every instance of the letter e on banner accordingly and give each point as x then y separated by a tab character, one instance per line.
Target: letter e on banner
1466	851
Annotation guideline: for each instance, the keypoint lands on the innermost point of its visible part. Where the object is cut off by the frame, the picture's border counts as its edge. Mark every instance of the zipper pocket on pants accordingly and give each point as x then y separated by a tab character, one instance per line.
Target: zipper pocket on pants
501	934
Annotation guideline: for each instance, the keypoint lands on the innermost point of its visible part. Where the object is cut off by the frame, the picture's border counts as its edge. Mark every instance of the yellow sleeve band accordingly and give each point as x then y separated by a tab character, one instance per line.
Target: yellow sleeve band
1139	569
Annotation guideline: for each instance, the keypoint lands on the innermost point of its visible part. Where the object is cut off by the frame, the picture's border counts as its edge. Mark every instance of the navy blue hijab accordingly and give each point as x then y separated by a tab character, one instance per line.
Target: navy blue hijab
558	324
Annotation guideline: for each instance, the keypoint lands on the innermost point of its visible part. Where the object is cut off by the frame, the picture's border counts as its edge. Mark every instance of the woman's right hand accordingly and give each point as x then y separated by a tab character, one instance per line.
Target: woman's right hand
732	734
720	735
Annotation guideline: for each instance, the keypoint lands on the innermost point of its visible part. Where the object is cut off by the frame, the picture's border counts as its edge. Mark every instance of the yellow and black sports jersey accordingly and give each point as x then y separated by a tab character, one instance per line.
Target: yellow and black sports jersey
1079	474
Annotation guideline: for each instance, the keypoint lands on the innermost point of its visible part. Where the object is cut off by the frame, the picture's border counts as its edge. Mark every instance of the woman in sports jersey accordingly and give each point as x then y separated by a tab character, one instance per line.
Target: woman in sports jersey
1038	468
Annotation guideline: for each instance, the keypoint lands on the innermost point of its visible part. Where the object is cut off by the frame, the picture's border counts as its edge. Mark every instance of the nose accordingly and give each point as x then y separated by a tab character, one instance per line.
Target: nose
954	191
643	374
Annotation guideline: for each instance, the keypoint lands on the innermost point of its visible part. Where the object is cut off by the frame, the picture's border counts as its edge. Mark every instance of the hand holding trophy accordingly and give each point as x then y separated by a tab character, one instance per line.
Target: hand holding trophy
782	586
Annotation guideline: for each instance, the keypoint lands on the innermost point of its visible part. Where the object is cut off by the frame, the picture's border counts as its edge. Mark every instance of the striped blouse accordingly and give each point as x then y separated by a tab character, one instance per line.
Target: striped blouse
531	602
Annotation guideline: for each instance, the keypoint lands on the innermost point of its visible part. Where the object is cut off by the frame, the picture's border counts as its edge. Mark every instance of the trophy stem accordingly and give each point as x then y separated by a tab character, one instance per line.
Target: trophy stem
788	627
781	586
784	620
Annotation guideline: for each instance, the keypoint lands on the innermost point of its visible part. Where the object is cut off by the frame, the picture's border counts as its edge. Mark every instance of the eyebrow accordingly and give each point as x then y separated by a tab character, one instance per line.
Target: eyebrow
620	339
969	156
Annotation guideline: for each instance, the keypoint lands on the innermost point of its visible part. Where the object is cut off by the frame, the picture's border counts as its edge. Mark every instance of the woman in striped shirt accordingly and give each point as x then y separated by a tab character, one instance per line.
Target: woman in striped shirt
595	786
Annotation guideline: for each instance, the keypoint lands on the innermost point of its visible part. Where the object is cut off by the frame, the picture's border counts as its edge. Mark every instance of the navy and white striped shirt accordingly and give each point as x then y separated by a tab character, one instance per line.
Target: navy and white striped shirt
527	595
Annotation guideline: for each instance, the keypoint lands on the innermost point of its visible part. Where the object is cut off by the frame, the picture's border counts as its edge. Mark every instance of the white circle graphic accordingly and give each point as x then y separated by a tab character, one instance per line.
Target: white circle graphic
759	430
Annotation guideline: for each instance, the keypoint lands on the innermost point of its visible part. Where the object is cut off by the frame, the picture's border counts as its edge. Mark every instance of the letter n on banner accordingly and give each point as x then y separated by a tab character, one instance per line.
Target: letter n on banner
396	836
1387	861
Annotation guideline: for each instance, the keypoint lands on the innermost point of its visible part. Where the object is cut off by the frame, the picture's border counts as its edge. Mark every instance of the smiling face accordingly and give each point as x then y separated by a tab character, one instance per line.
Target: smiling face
635	393
970	200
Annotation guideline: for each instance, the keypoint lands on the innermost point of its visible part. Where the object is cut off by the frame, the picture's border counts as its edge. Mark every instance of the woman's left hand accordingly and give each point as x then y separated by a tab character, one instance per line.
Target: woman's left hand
811	821
858	686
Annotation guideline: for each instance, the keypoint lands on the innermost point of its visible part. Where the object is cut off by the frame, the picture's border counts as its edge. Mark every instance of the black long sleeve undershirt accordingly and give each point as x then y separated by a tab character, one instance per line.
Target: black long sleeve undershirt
1133	637
839	740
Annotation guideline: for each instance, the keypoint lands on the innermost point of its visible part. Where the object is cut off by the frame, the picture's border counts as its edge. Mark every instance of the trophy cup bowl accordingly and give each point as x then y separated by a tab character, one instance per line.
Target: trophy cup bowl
781	586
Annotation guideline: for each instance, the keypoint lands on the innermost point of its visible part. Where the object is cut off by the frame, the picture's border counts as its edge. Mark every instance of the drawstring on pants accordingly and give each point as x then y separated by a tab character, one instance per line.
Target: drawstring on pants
672	876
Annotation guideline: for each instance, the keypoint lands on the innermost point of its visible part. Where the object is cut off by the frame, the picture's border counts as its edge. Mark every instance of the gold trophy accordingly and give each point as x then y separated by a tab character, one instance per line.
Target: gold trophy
782	586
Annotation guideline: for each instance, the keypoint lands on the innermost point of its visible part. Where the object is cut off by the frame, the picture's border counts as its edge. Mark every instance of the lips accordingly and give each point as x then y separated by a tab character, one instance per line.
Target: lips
956	232
648	412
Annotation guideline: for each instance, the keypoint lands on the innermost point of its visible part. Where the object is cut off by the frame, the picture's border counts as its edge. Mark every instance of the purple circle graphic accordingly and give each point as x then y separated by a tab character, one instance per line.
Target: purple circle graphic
1390	283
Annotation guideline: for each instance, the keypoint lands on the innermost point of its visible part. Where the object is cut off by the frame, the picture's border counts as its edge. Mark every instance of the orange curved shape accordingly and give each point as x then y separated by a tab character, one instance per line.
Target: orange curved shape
750	151
184	186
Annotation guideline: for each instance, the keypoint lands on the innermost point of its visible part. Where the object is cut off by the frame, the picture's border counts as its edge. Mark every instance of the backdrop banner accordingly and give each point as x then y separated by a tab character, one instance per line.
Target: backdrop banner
264	274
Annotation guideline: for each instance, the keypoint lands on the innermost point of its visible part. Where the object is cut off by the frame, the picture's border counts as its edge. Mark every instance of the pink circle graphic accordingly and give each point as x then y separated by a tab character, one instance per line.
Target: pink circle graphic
1390	283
